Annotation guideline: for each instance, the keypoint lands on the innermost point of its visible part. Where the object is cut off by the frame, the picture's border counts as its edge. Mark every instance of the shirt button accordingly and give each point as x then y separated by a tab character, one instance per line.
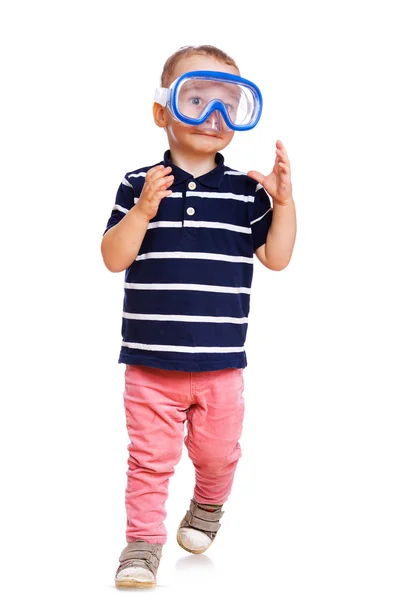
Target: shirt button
192	185
190	210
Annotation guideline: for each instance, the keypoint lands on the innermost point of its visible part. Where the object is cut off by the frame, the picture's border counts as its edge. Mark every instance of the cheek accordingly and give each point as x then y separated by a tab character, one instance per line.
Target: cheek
171	132
175	132
177	129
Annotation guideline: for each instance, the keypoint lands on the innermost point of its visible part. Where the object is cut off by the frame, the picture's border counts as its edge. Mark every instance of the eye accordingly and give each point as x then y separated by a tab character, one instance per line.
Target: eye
196	101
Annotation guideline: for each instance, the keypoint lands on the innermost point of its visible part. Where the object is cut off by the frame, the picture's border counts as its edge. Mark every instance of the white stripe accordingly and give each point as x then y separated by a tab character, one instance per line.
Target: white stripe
141	174
216	225
188	349
126	182
206	224
221	195
164	224
259	218
189	287
185	318
234	173
195	255
120	208
173	195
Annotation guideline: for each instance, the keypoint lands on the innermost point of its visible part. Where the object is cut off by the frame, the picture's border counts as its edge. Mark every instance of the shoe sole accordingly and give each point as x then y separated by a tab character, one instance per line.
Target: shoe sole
178	539
131	583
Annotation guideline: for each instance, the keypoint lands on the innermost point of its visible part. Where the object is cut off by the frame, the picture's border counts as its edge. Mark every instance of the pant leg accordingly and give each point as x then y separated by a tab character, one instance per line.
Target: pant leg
214	427
155	403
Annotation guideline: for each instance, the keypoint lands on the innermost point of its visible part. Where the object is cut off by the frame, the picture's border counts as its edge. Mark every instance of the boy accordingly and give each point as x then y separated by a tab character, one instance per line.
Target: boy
185	231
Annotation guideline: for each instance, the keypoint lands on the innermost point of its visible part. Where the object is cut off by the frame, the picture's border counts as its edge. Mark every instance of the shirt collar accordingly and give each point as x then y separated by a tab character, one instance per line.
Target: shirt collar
212	179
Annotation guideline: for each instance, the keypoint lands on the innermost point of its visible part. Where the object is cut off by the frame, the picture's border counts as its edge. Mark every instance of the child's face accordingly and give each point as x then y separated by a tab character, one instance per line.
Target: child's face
189	138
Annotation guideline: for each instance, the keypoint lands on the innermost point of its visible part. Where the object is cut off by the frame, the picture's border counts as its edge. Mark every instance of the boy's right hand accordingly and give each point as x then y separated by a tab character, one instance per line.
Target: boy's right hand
157	180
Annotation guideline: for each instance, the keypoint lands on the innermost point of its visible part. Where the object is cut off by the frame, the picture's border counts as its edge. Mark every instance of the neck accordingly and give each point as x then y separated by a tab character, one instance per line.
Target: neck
194	164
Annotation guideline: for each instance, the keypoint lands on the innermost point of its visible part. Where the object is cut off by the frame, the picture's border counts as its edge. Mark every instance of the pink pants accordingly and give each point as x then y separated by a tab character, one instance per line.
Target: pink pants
157	403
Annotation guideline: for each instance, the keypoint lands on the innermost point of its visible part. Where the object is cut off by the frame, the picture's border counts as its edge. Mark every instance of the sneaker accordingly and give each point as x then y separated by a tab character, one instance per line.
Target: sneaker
199	527
138	565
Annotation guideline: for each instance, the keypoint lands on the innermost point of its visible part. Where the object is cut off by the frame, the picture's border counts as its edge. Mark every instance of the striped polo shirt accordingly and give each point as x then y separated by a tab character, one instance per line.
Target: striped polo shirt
187	293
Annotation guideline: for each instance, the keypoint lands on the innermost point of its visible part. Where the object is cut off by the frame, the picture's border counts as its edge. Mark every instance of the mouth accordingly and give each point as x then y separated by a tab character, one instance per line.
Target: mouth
214	135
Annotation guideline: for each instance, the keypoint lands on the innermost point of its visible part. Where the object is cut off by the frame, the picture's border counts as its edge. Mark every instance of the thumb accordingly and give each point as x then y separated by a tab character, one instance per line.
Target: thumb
257	176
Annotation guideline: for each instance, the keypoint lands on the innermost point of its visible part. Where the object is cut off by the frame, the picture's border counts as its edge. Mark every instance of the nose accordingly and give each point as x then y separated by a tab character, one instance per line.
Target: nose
214	122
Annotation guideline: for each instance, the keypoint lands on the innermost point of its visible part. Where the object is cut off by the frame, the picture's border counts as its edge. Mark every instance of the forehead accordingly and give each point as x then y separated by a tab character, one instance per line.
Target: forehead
212	89
201	62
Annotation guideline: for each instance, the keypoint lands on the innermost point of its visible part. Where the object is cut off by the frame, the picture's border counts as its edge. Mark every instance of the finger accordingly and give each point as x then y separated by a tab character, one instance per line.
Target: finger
280	146
257	176
284	167
162	194
167	182
150	173
160	174
283	157
162	180
282	152
162	183
157	172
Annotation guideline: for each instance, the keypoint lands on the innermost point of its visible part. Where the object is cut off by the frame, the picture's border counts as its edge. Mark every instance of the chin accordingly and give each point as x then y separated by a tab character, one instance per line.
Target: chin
215	141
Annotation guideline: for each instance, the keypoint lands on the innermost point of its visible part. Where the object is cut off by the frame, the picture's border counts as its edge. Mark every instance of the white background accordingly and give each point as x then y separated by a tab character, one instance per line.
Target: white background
314	512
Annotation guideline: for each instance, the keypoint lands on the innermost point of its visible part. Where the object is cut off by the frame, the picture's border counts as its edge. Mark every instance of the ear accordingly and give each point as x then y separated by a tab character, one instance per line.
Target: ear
159	115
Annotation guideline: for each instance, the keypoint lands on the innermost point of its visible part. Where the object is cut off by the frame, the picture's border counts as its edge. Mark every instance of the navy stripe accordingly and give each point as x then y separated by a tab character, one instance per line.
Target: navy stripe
186	303
220	241
190	271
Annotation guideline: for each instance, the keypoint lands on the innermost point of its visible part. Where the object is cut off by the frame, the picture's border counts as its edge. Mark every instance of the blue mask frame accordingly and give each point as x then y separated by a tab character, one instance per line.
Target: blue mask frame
168	97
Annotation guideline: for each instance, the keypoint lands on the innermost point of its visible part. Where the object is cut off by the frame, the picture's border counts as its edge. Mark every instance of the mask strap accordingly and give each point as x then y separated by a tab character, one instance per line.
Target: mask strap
161	96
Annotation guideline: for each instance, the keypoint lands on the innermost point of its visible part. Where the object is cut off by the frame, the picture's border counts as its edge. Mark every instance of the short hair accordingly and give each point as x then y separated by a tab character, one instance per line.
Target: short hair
173	60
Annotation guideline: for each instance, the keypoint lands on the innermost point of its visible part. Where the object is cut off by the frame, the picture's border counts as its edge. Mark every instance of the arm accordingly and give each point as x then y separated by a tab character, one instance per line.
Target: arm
120	244
277	250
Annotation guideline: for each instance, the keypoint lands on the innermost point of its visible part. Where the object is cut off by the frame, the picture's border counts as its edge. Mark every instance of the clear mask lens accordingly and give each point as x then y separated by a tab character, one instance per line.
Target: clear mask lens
195	96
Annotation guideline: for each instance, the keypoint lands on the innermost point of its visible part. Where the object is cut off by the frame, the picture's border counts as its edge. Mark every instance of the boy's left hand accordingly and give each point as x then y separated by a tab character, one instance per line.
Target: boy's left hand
278	183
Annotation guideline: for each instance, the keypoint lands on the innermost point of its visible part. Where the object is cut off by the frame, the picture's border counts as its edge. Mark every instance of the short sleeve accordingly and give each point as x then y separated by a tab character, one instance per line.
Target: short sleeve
123	203
260	216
